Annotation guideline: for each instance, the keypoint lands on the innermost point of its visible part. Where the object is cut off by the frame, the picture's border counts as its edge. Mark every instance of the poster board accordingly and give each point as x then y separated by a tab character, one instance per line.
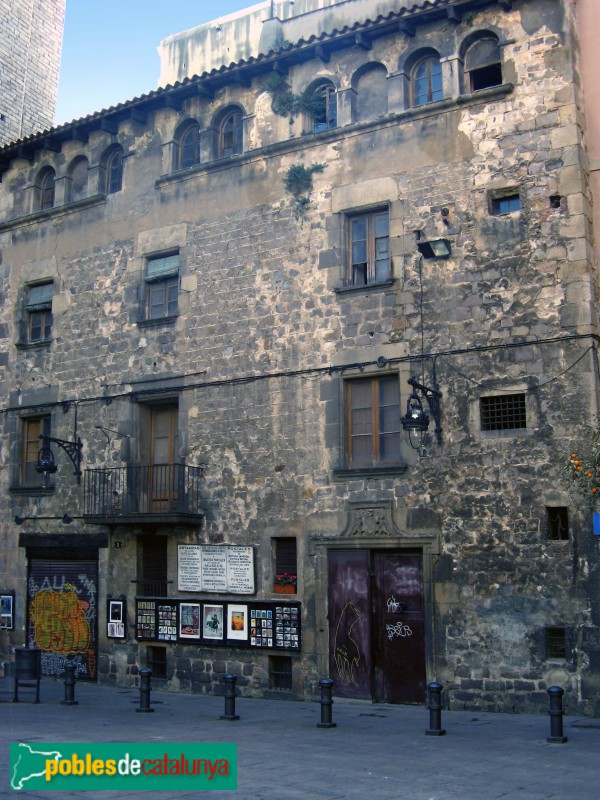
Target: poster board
264	624
226	569
116	618
7	611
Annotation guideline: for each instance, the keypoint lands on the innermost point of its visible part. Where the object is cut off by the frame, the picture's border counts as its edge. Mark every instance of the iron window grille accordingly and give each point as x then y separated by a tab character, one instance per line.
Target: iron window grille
503	412
280	673
556	643
557	523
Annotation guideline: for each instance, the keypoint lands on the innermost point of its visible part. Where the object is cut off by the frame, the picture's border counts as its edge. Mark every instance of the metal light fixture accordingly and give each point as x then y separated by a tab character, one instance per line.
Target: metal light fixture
45	462
434	248
416	420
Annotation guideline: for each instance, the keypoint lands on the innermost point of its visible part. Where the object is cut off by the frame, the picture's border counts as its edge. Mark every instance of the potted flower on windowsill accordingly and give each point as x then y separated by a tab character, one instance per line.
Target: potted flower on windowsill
285	583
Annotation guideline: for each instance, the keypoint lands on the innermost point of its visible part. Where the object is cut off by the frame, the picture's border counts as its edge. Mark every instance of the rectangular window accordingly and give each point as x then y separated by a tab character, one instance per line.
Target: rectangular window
557	523
39	312
157	661
505	204
33	428
280	673
369	246
505	412
373	427
286	563
556	643
162	279
153	558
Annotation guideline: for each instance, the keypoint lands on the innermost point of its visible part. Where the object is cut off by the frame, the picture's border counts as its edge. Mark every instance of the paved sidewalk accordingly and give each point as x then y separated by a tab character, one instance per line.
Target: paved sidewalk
376	752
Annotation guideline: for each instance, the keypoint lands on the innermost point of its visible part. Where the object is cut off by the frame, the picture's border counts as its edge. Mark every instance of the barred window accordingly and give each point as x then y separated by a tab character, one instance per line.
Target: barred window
504	412
557	523
556	643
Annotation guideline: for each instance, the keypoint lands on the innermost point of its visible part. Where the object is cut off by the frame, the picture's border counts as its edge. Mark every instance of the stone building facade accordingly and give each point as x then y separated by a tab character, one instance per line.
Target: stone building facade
31	33
235	293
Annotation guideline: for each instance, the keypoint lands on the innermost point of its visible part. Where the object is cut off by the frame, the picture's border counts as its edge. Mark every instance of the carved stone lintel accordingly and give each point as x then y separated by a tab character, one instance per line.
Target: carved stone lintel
371	519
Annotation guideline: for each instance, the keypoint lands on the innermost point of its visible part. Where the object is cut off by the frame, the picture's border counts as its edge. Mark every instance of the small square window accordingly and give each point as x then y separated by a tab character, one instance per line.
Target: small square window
280	673
505	204
557	523
505	412
369	248
556	643
162	286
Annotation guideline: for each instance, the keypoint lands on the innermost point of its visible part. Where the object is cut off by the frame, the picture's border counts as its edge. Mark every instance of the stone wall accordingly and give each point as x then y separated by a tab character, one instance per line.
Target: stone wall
268	331
31	32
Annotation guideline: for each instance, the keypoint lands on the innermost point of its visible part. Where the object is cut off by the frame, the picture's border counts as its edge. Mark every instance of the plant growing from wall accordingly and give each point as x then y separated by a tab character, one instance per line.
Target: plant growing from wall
288	104
299	183
582	470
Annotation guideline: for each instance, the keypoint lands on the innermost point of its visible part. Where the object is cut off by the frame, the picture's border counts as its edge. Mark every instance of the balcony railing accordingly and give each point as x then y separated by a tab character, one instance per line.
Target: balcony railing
134	492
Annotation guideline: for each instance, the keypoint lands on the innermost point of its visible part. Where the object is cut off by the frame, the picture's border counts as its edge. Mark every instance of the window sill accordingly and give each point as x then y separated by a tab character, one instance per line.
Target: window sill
368	287
369	472
55	211
153	323
32	491
33	345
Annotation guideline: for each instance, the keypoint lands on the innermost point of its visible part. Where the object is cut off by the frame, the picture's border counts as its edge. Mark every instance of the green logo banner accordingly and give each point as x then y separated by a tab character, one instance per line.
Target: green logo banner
118	766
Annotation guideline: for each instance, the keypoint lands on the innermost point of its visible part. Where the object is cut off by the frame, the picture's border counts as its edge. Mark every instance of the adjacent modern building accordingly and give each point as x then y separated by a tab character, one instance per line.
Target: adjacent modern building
295	352
31	33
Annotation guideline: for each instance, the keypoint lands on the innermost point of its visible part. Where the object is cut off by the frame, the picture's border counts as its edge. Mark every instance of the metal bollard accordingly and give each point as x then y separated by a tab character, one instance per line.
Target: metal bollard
229	694
556	715
145	687
326	703
70	685
435	710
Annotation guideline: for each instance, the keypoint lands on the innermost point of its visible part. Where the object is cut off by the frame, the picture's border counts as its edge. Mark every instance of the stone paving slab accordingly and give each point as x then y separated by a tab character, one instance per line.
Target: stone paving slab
376	752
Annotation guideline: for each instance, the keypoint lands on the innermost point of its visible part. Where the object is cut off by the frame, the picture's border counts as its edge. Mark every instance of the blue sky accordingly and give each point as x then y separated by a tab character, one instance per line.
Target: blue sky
109	48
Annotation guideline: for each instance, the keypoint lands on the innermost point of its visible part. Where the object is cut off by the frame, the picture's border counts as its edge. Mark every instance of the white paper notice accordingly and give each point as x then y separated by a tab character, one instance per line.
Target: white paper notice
240	570
189	572
214	569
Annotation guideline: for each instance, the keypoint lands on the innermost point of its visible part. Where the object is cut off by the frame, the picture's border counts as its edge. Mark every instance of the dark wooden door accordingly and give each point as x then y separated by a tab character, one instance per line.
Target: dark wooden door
350	622
399	642
376	625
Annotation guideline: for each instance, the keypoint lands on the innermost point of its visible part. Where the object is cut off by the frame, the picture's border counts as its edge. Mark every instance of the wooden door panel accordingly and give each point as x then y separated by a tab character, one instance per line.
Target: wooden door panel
399	675
350	622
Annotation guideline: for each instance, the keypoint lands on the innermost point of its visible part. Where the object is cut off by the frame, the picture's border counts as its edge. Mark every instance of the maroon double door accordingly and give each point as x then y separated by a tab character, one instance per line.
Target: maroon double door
377	625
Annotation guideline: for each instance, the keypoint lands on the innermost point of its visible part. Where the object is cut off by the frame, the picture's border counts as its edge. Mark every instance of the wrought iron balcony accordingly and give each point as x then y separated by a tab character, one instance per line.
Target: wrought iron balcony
168	493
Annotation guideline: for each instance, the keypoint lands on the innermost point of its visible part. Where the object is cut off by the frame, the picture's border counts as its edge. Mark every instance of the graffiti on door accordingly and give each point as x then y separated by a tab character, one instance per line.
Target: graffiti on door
62	622
346	650
399	629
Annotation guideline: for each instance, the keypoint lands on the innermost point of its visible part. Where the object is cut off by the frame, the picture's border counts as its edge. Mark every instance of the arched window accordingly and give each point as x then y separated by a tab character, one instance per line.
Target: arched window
371	93
231	134
45	185
78	178
483	67
324	114
427	81
114	171
189	146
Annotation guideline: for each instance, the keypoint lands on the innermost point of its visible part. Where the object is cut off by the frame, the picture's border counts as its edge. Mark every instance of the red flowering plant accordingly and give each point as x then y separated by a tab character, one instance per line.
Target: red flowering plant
582	470
285	578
